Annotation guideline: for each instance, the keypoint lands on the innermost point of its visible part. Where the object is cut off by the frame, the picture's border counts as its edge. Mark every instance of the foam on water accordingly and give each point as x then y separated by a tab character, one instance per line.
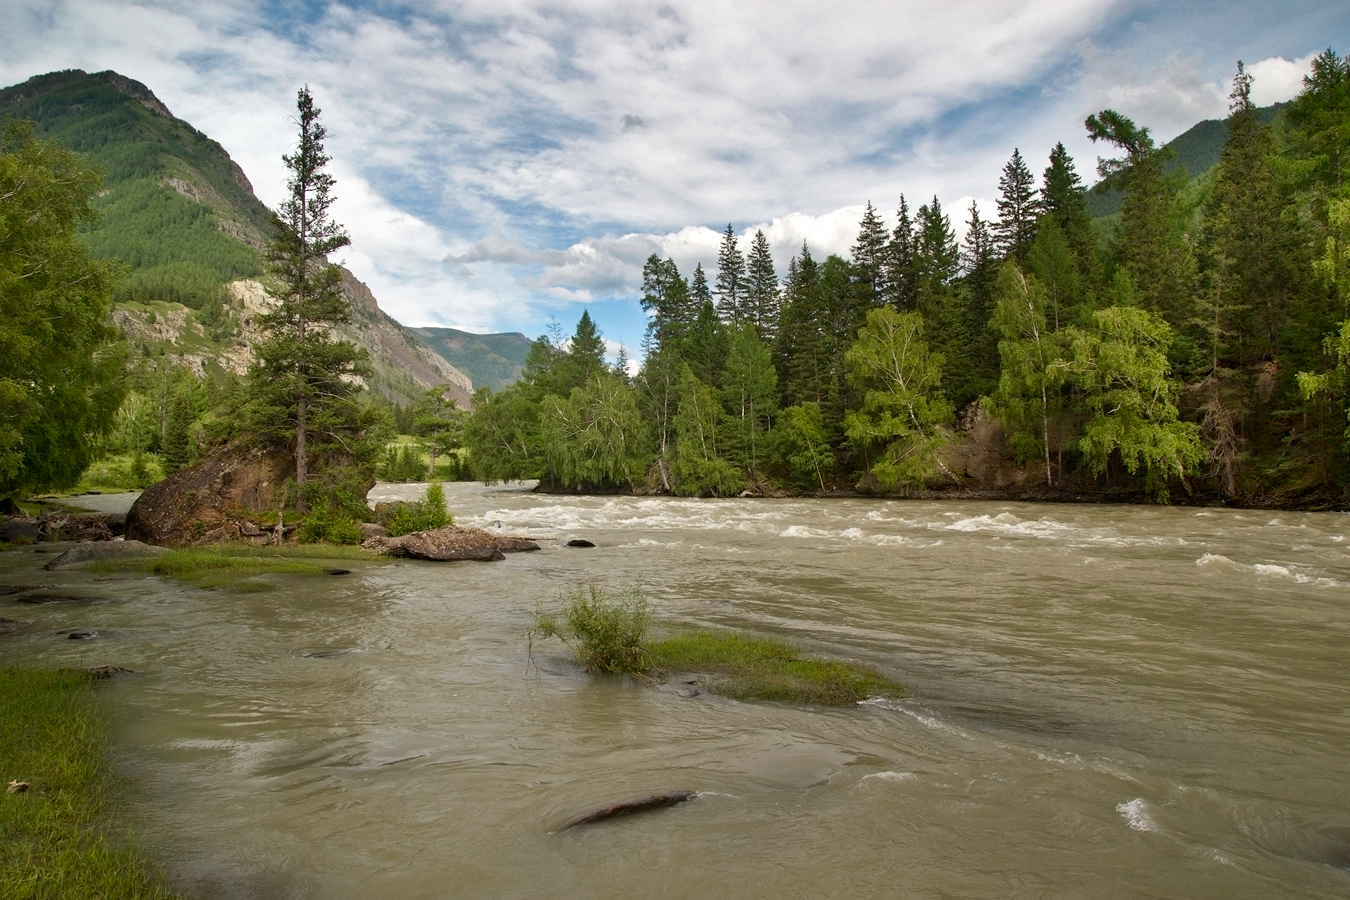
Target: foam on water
891	776
1137	815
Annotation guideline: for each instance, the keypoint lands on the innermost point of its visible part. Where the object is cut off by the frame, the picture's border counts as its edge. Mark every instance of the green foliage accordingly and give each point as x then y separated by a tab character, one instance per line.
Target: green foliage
902	405
326	523
800	447
401	463
1121	366
60	371
1034	369
61	838
605	634
697	467
426	514
750	396
595	439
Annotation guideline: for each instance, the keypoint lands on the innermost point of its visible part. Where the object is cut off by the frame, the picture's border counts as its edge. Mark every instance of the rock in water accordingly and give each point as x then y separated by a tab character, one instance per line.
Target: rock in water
579	542
91	550
511	544
440	544
656	801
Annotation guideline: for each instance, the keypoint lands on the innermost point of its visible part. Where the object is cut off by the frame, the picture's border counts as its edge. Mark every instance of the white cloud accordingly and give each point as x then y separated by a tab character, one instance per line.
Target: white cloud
1276	79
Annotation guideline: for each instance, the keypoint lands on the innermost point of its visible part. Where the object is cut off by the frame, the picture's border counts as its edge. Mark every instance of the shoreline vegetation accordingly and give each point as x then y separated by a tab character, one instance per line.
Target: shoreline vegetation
609	635
61	836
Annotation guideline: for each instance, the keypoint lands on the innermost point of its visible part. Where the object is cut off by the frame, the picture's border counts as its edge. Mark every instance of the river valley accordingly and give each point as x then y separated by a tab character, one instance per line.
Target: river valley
1106	701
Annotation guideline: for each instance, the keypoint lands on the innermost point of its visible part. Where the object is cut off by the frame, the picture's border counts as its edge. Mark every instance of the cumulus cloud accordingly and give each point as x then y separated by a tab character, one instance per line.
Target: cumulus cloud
500	161
1276	79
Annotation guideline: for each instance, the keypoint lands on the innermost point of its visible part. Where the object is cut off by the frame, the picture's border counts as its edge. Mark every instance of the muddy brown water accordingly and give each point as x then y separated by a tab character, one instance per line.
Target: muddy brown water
1106	701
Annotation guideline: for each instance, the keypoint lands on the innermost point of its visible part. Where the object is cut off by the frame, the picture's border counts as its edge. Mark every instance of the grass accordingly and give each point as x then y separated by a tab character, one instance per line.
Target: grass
753	668
60	840
117	472
233	566
609	636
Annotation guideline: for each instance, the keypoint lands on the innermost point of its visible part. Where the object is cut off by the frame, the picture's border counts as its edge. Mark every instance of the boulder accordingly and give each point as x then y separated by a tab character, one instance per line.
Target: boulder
218	500
91	550
512	544
20	530
656	801
440	544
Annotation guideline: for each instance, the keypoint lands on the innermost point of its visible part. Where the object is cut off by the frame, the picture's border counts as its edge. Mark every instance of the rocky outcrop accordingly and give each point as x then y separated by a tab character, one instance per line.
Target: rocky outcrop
213	502
449	543
88	551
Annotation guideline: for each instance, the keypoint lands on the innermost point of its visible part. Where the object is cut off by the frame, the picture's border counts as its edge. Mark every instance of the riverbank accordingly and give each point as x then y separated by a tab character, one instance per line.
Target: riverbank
60	837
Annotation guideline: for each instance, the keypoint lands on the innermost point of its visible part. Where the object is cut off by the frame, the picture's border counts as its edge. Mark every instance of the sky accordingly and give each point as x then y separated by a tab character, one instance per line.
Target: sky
502	165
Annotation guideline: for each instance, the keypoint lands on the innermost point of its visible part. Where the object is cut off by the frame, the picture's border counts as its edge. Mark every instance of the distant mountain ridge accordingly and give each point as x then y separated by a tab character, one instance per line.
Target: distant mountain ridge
491	360
183	216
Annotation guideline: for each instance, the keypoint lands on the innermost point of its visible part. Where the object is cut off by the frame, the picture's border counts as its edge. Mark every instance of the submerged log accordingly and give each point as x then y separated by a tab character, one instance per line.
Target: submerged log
656	801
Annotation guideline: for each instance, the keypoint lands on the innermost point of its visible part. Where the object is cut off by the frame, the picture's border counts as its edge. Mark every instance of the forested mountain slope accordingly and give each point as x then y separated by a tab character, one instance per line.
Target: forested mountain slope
491	360
183	217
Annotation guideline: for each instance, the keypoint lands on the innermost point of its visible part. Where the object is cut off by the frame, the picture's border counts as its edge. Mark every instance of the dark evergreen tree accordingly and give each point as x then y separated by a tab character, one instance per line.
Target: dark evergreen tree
869	257
302	376
706	347
901	283
762	295
1151	243
1064	199
1017	209
731	287
979	262
665	298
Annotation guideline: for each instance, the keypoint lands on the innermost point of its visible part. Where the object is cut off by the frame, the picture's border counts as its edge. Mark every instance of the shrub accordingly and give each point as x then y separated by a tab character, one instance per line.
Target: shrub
422	515
604	634
327	523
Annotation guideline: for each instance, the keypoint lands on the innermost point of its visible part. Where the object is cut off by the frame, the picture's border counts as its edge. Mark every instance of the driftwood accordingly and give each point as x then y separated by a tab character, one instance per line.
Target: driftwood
656	801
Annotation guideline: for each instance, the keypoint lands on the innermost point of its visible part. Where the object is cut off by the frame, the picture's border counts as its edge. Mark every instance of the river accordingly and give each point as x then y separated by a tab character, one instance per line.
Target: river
1107	701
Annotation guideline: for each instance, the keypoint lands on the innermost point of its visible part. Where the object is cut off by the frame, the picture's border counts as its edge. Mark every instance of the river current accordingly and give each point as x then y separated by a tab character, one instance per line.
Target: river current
1106	701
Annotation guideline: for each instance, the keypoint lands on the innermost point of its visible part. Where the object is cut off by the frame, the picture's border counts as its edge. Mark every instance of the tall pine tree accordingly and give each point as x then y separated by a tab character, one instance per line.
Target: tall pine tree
1017	209
730	287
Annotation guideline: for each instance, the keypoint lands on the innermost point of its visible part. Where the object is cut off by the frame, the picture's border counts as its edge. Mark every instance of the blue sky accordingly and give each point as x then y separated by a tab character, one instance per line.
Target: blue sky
503	164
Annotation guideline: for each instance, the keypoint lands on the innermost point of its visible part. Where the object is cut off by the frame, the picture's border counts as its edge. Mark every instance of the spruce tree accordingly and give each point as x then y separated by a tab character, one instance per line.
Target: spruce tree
762	296
1064	199
869	257
665	297
979	261
1151	244
730	287
901	287
1017	209
302	376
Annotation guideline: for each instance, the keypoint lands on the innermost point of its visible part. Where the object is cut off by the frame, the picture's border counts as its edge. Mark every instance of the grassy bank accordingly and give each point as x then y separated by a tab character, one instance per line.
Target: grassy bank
754	668
609	635
233	566
59	839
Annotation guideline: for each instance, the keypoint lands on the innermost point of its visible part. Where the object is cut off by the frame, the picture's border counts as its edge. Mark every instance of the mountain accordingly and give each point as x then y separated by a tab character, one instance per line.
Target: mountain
491	360
183	217
1195	151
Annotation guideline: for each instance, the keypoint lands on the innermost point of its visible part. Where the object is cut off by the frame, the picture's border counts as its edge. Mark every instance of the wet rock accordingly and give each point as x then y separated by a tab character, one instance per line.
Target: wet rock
37	599
440	544
7	589
656	801
337	571
107	671
9	626
579	542
512	544
79	634
20	530
92	550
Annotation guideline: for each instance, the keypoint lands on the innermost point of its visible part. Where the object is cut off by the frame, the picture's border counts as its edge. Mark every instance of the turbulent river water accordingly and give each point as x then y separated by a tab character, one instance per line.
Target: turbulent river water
1107	701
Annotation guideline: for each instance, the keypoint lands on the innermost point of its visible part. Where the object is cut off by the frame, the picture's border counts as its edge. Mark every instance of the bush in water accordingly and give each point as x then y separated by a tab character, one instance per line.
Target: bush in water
422	515
604	634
